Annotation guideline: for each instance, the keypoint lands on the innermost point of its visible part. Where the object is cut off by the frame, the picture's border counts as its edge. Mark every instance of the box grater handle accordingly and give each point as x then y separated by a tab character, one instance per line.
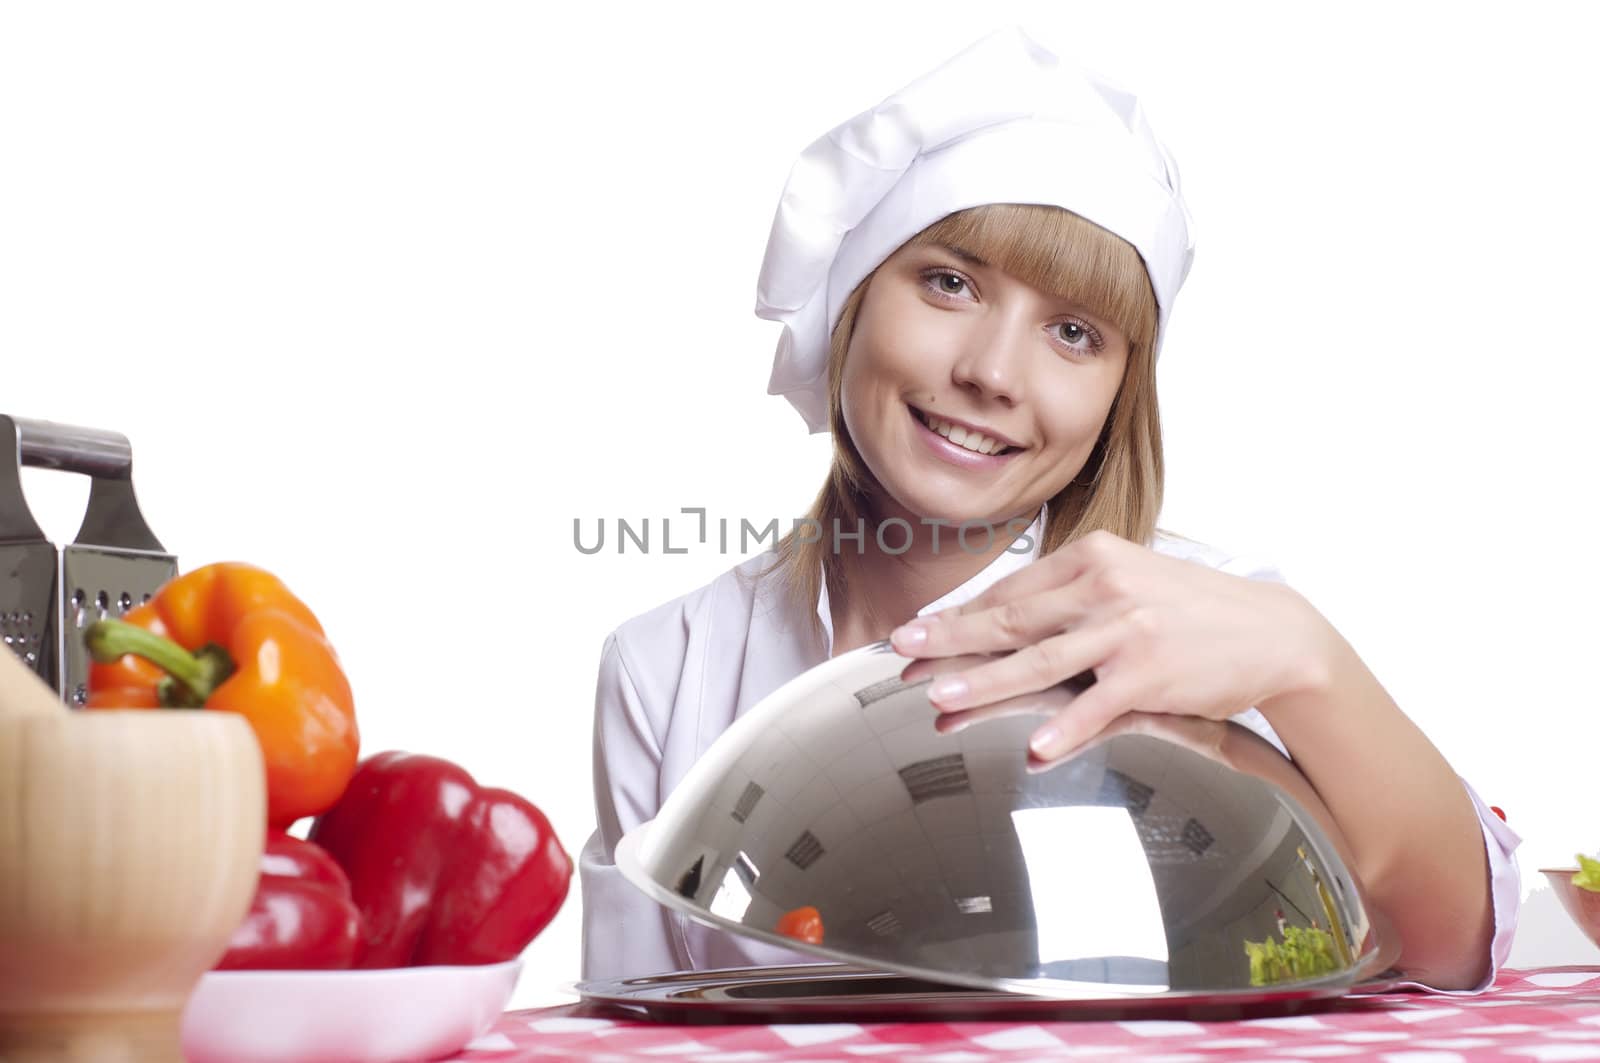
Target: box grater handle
90	451
112	517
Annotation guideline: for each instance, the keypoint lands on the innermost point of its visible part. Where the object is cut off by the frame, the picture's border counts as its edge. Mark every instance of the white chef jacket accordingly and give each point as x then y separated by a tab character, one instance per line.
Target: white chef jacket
674	678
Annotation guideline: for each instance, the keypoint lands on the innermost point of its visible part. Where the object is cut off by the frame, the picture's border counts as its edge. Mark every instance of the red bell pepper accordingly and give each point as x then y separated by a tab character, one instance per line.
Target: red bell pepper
302	917
442	870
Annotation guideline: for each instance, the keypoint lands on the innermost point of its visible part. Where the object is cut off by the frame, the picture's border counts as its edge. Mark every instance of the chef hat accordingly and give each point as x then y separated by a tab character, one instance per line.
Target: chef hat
1004	121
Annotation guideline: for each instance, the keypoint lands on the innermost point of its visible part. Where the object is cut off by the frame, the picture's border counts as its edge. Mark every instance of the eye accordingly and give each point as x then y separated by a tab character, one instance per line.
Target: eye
1075	333
946	283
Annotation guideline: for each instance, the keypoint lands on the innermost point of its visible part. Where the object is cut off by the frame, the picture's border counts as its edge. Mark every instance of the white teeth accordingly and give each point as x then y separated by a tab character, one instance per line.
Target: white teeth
963	437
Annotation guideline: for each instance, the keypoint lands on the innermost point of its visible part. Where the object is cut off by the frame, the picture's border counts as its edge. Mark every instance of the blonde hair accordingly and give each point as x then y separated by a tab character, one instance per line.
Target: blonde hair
1119	487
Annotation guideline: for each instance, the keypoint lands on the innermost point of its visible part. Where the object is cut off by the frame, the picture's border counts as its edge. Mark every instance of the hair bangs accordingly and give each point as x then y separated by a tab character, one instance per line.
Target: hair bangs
1059	253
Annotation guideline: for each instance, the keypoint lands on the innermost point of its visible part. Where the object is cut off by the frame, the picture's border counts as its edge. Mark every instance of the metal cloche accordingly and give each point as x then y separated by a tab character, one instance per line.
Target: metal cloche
1158	862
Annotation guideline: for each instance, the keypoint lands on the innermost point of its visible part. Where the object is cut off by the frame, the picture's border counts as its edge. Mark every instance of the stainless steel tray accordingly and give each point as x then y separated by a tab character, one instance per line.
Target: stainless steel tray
847	993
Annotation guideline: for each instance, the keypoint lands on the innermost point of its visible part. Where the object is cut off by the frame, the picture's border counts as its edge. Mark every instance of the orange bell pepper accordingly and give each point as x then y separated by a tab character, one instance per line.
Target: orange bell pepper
802	924
231	636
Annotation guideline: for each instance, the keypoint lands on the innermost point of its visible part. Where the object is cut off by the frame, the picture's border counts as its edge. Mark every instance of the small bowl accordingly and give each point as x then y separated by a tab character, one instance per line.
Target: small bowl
1583	905
361	1016
129	848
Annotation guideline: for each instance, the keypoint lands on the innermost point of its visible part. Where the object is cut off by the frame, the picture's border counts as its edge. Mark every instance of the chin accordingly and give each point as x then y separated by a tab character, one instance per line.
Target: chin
925	506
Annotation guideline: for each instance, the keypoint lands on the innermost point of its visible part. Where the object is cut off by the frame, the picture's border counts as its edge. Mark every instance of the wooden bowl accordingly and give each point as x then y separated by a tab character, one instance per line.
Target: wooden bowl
1583	905
129	849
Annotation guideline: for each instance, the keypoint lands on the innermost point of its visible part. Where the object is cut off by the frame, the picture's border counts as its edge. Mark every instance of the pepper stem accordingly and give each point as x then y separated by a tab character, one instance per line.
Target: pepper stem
191	677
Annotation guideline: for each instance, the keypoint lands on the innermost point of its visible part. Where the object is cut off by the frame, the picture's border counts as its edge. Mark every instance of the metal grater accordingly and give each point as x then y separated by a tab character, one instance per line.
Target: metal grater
114	564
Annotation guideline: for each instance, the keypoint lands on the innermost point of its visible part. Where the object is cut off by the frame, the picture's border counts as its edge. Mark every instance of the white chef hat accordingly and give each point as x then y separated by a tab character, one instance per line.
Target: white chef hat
1004	121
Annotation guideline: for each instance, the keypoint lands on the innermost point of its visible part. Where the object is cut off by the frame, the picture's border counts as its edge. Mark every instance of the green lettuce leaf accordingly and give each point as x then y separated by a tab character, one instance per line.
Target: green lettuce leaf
1589	877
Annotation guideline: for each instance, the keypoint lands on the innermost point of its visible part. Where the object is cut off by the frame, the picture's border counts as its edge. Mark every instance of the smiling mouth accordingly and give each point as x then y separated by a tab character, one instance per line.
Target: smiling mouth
962	437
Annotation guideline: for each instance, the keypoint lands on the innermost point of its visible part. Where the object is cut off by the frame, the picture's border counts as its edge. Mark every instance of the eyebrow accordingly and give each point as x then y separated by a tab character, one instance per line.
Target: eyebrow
964	255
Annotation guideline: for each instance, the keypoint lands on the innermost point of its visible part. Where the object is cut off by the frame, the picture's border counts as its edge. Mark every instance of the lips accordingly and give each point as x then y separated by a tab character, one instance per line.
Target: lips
968	437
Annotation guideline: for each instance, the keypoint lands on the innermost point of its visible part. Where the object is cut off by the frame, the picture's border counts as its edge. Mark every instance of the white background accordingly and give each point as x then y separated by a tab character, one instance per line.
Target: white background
386	295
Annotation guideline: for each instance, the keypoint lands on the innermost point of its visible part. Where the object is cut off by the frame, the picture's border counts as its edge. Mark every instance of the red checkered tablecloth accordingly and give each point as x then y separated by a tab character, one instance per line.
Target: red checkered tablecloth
1545	1014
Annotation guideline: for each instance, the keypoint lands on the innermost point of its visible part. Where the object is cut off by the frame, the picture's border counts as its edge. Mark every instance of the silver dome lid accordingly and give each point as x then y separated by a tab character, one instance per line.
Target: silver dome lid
1179	858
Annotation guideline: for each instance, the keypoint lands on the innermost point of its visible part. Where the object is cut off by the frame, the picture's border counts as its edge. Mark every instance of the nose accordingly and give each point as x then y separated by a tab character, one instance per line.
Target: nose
993	356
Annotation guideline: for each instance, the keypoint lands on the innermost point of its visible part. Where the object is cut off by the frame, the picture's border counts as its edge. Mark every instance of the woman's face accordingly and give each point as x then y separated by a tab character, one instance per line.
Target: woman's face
951	358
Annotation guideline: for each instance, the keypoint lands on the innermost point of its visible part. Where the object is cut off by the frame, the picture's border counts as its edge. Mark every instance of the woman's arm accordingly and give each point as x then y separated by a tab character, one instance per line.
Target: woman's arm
1418	845
625	933
1165	635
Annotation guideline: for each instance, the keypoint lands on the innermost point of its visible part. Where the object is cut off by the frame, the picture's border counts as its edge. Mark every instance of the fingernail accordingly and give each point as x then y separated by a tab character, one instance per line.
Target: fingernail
949	689
910	635
1044	742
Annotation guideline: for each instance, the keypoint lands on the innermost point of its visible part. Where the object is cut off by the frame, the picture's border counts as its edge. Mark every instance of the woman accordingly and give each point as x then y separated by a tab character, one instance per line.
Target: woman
975	278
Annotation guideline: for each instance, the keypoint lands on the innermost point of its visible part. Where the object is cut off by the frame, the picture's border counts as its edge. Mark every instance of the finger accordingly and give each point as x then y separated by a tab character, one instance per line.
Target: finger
923	669
918	638
1089	714
1009	625
1035	667
1044	580
1053	570
1044	703
1123	724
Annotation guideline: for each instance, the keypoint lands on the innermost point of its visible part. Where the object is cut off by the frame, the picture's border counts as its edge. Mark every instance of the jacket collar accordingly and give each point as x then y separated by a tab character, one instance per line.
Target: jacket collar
992	573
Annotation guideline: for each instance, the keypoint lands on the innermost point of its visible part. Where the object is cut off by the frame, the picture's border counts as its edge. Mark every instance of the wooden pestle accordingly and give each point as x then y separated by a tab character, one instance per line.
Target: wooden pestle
22	692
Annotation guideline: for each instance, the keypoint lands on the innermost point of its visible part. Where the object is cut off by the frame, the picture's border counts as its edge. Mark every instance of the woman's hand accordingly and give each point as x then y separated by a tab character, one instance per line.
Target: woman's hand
1159	634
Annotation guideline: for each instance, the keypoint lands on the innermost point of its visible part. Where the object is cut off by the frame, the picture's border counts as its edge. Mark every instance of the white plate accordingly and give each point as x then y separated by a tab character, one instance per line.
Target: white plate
377	1016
